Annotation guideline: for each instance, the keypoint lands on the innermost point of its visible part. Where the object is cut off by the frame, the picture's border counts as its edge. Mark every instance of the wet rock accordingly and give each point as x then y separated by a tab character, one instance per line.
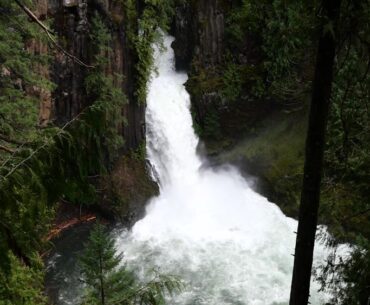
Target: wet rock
182	29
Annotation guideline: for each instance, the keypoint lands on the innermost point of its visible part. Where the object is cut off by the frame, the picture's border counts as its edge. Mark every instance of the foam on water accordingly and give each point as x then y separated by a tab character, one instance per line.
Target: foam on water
228	243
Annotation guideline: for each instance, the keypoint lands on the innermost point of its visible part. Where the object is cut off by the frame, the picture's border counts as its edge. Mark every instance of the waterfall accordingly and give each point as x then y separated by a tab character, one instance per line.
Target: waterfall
229	244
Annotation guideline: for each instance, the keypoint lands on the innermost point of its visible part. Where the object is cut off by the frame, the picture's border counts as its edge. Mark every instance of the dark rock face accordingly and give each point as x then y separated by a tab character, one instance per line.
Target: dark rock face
183	30
199	45
71	21
71	26
199	31
210	35
202	47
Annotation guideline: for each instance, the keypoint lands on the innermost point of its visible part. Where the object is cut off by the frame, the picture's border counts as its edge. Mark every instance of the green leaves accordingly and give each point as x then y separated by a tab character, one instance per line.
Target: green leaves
106	114
143	32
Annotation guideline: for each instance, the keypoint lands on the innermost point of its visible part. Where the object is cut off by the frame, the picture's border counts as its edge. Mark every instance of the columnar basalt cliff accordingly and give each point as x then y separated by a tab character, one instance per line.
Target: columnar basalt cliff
199	31
71	22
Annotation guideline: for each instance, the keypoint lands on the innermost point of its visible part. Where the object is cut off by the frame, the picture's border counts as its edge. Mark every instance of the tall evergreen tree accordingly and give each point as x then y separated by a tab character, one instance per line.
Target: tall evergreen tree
108	282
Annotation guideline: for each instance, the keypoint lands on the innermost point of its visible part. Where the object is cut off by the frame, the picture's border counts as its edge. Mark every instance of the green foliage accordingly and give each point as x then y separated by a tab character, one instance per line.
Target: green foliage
348	278
108	282
19	77
23	210
233	82
143	31
103	89
23	285
212	125
281	33
348	153
58	165
139	154
268	58
203	80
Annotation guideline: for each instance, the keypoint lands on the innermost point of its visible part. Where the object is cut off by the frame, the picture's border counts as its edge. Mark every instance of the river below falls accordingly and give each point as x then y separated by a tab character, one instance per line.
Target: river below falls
229	244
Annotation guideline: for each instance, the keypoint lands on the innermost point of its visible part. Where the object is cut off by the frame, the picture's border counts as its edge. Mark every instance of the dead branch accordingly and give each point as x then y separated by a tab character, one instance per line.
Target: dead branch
6	149
49	34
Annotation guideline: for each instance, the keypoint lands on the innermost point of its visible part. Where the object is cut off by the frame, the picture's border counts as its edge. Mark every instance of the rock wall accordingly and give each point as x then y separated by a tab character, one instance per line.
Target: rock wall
237	132
38	47
128	185
204	47
199	28
70	21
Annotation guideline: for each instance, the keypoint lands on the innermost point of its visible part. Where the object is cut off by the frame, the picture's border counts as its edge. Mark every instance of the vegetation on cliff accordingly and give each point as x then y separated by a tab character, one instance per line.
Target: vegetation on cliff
144	28
250	108
257	91
41	162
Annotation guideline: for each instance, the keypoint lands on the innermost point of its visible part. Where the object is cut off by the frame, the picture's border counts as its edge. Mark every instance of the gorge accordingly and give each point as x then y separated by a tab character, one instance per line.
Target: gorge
190	153
207	226
229	244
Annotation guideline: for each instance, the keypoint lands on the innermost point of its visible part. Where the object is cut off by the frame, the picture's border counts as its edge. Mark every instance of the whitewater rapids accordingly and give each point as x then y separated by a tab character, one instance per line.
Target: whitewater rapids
229	244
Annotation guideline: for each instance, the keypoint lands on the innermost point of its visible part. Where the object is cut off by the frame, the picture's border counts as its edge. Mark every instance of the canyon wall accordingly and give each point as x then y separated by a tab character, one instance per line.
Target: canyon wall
252	130
71	22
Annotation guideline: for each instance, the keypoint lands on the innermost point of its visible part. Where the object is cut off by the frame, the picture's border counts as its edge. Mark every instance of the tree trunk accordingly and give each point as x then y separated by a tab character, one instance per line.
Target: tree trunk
315	144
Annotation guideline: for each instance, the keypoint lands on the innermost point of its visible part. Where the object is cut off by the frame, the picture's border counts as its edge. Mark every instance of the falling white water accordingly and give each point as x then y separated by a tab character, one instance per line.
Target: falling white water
228	243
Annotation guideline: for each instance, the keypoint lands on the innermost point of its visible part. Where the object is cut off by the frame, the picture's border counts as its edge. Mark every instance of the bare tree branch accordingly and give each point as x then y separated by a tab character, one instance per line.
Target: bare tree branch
49	33
6	149
40	147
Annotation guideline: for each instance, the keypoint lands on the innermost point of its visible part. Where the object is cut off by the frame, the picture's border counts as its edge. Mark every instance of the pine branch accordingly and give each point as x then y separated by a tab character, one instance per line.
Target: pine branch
49	34
14	246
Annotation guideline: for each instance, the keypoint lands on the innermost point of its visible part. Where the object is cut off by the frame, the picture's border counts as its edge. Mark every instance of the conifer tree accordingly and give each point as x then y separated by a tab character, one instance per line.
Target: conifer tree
109	282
